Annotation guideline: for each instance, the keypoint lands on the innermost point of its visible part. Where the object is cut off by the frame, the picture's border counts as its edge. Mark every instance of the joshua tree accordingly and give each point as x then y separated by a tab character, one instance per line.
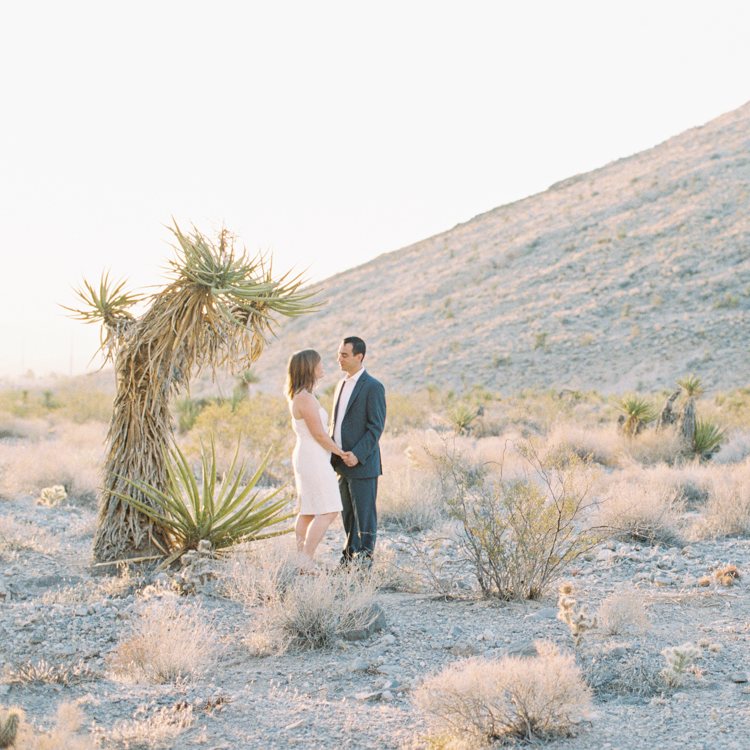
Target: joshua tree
215	310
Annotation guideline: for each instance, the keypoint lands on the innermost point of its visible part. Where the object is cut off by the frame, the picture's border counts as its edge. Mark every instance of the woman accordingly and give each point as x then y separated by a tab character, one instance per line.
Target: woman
318	498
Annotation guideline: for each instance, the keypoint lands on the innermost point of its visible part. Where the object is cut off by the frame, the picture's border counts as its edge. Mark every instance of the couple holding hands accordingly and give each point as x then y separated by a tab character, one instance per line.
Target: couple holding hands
336	467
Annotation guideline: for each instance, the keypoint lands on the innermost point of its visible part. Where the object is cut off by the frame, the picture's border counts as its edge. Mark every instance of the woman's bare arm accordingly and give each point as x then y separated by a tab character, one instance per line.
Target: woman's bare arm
305	406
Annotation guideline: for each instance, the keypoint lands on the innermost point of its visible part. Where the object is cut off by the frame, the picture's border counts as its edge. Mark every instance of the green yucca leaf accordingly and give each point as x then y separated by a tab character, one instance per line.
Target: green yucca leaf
638	410
708	438
692	386
109	302
190	512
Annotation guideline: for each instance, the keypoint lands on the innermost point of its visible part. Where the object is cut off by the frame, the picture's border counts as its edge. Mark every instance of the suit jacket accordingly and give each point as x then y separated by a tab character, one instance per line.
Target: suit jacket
361	427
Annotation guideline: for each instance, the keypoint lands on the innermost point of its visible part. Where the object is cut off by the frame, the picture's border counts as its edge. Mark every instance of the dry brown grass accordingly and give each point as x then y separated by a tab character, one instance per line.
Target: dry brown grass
500	700
641	510
623	612
409	495
16	536
157	730
166	641
727	510
290	610
71	455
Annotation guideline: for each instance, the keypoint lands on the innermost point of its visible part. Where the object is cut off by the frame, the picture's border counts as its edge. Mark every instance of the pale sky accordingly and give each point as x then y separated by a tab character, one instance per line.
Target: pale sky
326	132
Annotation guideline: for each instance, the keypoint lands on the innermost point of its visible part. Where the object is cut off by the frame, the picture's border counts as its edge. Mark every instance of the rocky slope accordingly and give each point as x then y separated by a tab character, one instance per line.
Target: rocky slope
626	277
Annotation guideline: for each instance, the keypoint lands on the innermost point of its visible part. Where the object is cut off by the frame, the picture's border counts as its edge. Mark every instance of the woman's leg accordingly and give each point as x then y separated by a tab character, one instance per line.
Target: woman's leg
315	532
300	530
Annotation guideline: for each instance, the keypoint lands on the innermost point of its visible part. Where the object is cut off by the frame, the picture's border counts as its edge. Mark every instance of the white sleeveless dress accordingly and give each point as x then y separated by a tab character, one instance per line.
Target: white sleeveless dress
317	485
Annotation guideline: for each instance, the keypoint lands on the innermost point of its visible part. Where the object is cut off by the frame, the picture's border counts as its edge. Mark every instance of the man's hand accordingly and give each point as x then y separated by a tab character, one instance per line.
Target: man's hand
350	459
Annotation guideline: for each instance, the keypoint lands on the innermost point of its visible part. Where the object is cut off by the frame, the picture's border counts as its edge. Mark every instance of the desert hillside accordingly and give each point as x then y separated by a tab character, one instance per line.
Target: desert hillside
626	277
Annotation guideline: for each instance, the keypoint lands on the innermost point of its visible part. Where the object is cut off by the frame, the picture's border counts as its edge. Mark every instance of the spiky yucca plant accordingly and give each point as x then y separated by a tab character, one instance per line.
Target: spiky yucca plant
692	385
707	438
222	512
638	413
215	311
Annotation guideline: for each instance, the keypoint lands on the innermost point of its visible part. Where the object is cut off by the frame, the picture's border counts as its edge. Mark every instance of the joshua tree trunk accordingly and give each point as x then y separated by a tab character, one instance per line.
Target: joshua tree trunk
668	416
687	423
139	433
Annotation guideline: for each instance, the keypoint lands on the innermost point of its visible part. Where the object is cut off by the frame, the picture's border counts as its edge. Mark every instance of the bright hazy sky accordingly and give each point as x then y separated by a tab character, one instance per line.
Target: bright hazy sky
327	132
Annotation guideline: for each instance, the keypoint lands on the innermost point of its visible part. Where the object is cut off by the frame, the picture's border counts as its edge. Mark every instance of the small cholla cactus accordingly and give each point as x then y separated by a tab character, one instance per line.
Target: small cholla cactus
678	659
51	496
579	622
728	575
9	728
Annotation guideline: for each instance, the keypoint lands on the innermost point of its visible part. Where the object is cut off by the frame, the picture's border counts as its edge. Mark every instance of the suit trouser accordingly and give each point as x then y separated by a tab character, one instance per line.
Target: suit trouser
359	515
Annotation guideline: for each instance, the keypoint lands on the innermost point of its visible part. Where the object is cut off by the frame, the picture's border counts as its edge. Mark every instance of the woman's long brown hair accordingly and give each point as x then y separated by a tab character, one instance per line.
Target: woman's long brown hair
300	372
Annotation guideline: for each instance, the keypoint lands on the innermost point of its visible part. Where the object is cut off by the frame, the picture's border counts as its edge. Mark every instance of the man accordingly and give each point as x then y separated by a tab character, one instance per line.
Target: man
357	423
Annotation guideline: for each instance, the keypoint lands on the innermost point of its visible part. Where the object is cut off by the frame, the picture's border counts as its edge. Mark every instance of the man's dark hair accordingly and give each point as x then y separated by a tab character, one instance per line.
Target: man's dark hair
358	346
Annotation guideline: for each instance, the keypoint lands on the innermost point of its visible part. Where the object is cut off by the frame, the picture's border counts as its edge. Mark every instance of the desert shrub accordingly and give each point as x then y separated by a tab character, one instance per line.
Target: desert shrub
638	675
77	400
727	510
16	428
165	641
735	449
292	610
260	423
156	729
43	673
518	534
406	412
71	455
652	447
63	736
409	493
259	572
601	445
505	699
19	535
733	407
623	612
317	611
641	510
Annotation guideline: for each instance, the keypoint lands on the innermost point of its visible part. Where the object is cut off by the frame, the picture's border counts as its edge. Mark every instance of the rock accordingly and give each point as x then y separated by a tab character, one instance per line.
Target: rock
663	581
606	555
304	722
524	649
455	631
368	697
546	613
739	677
389	669
464	648
358	665
375	621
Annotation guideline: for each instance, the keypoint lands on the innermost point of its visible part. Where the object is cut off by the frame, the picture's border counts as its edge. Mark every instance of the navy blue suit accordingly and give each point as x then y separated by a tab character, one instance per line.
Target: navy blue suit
361	428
